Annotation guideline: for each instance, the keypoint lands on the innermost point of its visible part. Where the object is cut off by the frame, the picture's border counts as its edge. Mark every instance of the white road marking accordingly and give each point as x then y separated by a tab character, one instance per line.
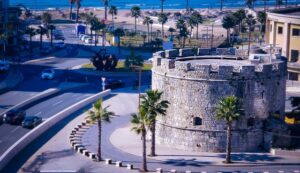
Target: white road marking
38	113
57	103
15	129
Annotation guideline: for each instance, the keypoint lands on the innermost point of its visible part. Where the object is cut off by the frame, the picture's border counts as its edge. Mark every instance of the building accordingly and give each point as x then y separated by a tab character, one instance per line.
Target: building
194	84
283	30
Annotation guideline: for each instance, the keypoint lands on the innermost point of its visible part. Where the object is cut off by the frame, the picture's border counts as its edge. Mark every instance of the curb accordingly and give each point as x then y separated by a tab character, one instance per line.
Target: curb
42	128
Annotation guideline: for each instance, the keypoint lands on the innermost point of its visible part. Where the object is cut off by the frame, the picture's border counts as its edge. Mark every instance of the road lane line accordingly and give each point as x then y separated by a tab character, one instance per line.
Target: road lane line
38	113
57	103
15	129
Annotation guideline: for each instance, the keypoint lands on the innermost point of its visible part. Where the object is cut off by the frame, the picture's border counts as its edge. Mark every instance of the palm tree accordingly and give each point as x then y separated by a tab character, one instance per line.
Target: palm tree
228	22
31	32
99	114
240	16
71	7
105	2
135	12
261	18
197	18
183	31
162	6
151	23
250	3
113	11
250	20
228	109
51	28
119	32
96	26
147	22
41	31
154	106
78	5
162	18
140	121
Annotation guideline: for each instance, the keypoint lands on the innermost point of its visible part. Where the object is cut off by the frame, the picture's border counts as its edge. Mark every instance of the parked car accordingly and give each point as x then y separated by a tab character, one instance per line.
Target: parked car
48	74
113	83
89	40
84	37
60	44
15	116
31	121
4	66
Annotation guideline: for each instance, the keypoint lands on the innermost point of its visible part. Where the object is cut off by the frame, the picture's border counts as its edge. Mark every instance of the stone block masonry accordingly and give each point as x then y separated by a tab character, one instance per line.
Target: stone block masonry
194	85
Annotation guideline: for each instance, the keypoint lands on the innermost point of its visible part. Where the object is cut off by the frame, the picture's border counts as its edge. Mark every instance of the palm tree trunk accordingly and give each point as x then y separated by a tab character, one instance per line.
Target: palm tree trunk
183	44
41	40
30	42
135	25
71	8
151	32
191	34
77	15
99	140
51	38
119	44
228	31
197	36
112	20
105	9
148	33
249	41
228	146
152	153
162	31
144	150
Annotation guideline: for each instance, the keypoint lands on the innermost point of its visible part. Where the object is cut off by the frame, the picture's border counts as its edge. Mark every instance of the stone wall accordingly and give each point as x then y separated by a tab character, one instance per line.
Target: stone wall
194	89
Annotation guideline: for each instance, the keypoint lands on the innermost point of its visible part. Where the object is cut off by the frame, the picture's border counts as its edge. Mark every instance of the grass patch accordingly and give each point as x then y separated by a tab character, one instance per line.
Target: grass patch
120	67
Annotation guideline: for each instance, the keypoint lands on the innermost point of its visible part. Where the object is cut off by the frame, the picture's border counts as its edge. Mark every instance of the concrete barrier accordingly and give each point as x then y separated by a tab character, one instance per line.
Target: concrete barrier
159	170
108	161
173	171
118	164
280	152
129	166
10	153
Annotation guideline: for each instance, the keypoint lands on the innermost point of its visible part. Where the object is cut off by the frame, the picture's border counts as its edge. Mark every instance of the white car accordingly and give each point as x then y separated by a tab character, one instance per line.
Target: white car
84	37
4	66
89	40
48	74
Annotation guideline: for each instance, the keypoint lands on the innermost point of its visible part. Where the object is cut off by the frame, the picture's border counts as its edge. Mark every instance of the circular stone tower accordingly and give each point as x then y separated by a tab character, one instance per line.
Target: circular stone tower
194	85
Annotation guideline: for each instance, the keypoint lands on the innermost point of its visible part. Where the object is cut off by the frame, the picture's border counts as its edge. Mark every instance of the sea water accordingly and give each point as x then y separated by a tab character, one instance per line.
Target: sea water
144	4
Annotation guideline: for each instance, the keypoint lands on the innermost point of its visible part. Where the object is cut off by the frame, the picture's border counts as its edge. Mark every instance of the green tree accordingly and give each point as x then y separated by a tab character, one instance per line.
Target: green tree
146	21
78	6
105	2
41	31
250	3
183	32
96	26
172	30
240	16
31	32
113	11
229	110
197	18
262	18
119	32
99	114
162	18
46	18
133	60
151	25
71	7
154	105
250	21
228	22
191	22
140	121
51	28
135	12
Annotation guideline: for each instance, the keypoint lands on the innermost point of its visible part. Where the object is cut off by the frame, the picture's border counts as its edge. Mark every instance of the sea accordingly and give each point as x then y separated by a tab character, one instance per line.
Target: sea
144	4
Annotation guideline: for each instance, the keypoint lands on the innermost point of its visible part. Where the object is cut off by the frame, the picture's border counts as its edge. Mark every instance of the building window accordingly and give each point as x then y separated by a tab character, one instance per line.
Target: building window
197	121
295	32
293	76
280	30
294	55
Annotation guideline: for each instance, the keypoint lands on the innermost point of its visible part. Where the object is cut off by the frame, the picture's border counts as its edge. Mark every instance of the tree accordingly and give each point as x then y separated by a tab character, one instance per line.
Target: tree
140	121
240	16
191	23
31	32
250	3
229	110
228	22
119	32
151	23
162	18
41	31
78	5
197	18
96	26
71	7
171	30
135	12
250	21
147	22
99	114
154	106
113	11
183	31
162	6
51	28
46	18
105	2
133	60
261	18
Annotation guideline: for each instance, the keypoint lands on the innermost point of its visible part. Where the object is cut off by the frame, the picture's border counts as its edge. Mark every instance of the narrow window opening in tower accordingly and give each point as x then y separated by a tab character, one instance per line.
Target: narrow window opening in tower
197	121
